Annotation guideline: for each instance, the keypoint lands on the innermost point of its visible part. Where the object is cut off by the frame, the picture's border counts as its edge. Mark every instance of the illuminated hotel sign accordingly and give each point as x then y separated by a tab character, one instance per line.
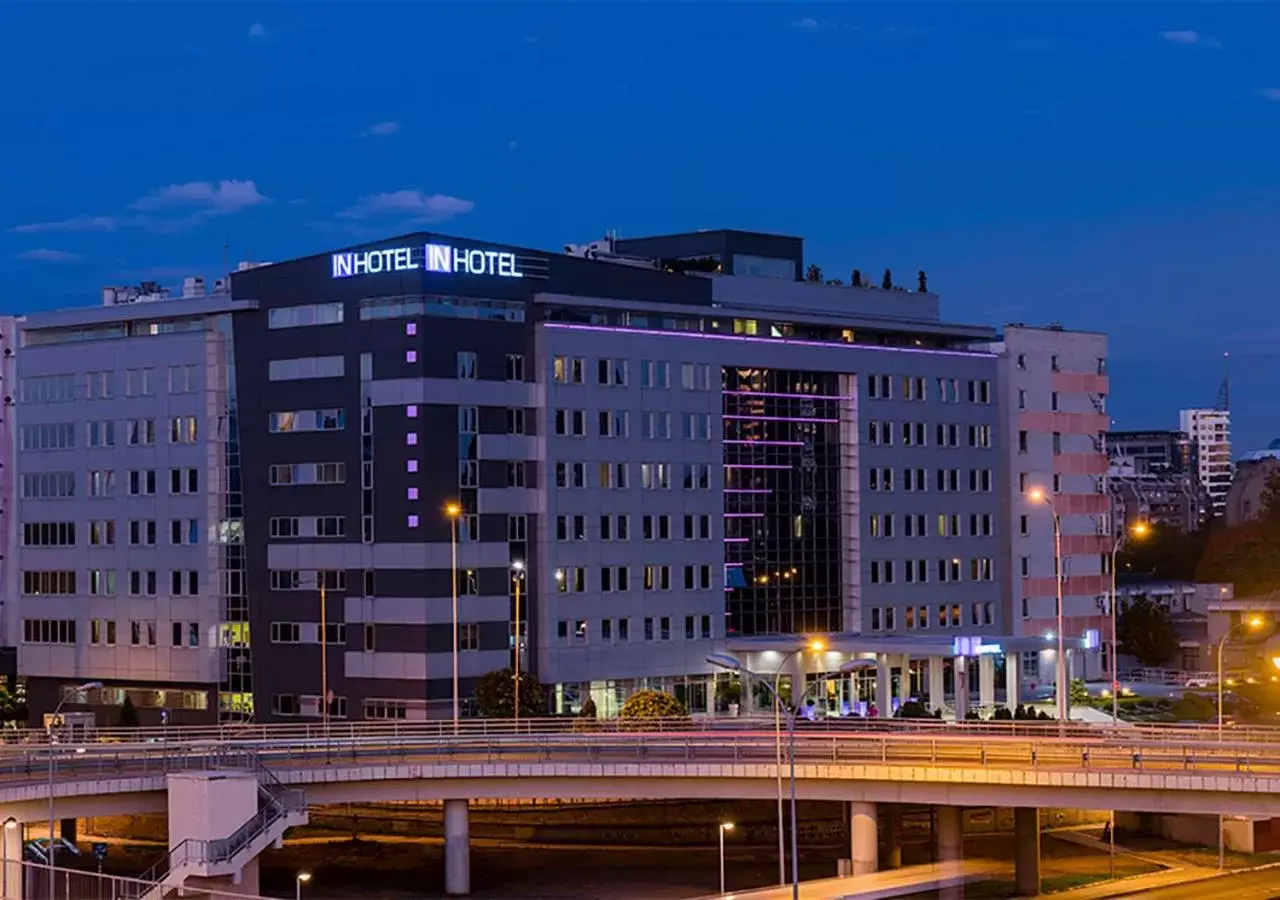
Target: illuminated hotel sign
442	258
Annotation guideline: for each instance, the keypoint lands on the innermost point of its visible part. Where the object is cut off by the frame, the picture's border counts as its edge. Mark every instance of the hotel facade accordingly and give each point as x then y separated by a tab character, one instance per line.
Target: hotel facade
679	447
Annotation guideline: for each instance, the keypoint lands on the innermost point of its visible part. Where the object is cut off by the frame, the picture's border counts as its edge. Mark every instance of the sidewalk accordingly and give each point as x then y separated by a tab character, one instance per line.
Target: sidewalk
877	885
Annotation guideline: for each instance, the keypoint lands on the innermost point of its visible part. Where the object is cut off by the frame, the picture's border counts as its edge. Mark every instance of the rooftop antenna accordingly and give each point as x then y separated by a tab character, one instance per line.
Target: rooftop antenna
1224	390
226	257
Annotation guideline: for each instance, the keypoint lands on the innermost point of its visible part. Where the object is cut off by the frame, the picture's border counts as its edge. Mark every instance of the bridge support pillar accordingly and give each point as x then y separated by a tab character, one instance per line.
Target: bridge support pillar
986	682
1012	679
951	845
937	682
863	845
884	675
12	877
893	836
457	848
1026	854
960	675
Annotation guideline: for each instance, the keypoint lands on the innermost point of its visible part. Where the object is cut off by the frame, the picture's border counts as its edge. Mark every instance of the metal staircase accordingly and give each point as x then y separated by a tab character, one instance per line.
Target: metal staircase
279	809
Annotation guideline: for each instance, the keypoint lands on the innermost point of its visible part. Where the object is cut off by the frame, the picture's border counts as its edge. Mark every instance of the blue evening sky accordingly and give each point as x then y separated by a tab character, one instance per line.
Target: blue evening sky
1112	167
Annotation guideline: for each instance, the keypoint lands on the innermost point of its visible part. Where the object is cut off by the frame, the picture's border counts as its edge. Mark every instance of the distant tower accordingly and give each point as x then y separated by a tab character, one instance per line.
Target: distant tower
1224	390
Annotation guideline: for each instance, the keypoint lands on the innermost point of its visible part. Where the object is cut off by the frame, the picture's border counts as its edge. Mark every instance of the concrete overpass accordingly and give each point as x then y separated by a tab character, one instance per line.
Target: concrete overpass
946	770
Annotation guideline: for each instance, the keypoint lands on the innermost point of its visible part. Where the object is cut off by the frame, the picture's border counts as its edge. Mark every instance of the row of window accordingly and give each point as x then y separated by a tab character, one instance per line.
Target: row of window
102	533
307	526
617	527
911	387
103	433
308	579
335	634
916	525
101	385
881	478
308	420
949	615
103	632
916	571
611	579
617	424
653	628
308	473
653	476
306	367
102	582
883	433
615	373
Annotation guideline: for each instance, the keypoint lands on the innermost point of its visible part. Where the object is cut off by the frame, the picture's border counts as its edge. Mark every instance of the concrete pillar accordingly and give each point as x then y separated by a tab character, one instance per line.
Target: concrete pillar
11	874
863	845
937	682
904	680
883	677
1012	679
1026	854
961	676
893	836
951	845
986	681
457	848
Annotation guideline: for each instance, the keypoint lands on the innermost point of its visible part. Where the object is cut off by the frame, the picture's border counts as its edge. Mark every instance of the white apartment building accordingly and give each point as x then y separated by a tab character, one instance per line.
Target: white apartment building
1210	429
1053	394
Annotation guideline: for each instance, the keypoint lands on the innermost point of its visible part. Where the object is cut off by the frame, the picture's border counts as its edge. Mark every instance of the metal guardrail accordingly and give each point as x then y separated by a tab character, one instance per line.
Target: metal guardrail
18	740
891	748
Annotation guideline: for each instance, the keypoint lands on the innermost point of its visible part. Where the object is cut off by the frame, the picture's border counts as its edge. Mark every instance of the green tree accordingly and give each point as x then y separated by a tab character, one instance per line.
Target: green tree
1079	692
1246	555
128	714
1163	552
652	705
495	695
1145	632
856	278
813	273
887	281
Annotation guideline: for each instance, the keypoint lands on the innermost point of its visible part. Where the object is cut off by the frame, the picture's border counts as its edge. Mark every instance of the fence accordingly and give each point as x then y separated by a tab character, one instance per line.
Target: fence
76	884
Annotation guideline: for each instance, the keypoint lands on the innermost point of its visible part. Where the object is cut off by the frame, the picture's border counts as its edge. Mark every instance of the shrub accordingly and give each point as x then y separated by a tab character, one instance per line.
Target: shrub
128	714
1003	714
652	705
495	696
913	709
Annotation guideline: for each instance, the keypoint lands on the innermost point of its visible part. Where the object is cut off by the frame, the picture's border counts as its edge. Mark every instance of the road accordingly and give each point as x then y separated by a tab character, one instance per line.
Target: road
1253	885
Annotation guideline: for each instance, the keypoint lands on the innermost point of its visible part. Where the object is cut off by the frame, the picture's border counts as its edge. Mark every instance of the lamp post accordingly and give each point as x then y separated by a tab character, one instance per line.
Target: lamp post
453	511
1139	530
53	722
724	826
299	880
1062	675
517	574
1251	624
735	665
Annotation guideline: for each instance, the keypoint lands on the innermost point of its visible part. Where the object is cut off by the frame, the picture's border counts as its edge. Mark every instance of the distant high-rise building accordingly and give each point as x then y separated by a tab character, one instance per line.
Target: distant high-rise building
1210	430
1154	478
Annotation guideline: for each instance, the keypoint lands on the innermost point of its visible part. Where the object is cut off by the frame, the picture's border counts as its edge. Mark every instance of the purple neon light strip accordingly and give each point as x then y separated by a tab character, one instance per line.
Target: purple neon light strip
744	515
781	419
769	443
737	540
754	466
747	491
797	396
786	342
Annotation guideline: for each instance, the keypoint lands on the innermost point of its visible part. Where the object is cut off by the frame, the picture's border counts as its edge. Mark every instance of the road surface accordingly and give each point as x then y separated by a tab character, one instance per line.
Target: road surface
1254	885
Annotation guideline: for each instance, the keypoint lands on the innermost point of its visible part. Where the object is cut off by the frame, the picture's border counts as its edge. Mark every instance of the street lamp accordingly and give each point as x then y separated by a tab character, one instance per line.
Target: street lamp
1037	495
724	826
1253	623
517	575
52	723
301	879
453	511
9	825
733	664
1139	530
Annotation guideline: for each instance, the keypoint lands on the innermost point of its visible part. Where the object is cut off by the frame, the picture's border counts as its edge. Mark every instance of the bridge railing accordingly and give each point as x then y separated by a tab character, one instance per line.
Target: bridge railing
1102	753
17	740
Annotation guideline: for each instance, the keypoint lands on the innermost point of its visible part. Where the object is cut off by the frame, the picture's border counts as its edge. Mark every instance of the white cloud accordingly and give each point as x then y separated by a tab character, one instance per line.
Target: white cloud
413	206
50	256
382	129
213	197
1181	37
809	24
78	223
257	30
1271	94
